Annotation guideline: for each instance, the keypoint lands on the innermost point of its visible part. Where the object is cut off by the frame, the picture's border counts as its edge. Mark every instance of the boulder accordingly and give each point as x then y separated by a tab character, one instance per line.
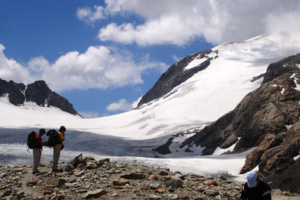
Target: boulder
210	182
134	176
174	183
55	181
120	182
95	193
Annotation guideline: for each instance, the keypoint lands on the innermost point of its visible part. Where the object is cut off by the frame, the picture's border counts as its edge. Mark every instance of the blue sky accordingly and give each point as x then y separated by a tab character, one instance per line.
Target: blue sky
103	55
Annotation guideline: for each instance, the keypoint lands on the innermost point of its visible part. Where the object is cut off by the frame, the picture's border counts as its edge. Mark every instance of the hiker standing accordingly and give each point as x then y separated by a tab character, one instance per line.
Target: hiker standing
255	189
37	150
58	147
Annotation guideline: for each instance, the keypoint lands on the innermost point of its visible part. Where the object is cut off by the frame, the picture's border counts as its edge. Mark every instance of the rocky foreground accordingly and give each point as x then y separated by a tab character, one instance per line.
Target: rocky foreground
86	178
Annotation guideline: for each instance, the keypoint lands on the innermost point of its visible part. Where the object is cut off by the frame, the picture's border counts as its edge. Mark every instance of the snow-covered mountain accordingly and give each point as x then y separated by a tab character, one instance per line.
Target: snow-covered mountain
200	100
221	78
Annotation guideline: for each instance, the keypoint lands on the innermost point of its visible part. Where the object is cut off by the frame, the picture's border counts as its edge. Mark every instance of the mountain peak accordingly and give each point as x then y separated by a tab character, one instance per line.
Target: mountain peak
37	92
178	73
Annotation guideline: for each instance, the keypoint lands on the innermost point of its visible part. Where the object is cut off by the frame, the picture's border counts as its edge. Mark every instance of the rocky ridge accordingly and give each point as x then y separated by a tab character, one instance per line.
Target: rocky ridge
86	178
177	74
37	92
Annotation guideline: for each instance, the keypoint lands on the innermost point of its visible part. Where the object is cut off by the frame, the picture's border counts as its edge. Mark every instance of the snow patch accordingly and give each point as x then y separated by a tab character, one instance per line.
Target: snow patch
198	61
296	80
297	157
288	127
282	91
194	63
220	151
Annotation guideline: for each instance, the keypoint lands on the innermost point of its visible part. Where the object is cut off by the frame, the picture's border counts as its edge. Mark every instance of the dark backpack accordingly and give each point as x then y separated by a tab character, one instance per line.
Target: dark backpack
31	140
53	137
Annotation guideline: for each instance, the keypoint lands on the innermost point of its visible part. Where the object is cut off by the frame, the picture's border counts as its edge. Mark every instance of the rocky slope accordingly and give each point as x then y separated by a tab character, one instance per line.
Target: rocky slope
177	74
86	178
267	119
37	92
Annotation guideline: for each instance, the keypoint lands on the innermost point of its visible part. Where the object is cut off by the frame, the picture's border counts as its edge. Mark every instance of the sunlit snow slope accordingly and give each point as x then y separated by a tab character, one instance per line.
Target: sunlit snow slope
202	99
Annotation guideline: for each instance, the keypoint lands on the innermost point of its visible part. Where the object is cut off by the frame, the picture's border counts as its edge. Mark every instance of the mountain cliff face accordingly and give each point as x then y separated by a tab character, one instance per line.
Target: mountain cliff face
176	75
267	119
37	92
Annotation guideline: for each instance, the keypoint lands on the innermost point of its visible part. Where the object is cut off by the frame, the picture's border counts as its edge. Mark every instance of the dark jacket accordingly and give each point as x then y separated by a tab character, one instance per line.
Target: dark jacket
261	192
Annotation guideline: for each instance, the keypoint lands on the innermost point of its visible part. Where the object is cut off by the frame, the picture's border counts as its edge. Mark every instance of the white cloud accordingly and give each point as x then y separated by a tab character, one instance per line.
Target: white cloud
90	16
39	68
283	22
11	70
135	103
167	29
121	105
179	22
176	58
98	67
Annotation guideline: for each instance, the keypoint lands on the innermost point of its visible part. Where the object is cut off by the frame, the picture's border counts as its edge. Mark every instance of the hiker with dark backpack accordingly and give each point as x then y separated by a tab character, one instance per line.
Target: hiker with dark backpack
37	150
58	147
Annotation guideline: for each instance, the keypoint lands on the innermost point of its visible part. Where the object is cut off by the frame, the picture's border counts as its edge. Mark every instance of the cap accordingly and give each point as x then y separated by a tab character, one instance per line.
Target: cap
252	179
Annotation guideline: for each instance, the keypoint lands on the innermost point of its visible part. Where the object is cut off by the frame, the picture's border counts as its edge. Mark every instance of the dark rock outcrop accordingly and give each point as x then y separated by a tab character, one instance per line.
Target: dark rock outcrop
164	149
207	137
288	179
14	91
275	153
176	75
277	69
37	92
267	110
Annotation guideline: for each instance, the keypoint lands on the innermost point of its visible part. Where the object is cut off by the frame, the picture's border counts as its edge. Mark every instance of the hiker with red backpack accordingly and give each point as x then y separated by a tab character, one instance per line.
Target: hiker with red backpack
37	150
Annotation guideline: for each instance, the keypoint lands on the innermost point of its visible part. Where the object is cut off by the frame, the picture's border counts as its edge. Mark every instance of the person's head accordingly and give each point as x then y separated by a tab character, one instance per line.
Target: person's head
42	131
252	179
62	129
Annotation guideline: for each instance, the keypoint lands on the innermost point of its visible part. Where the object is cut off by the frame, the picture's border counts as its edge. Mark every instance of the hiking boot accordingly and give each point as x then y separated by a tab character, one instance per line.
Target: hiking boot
57	170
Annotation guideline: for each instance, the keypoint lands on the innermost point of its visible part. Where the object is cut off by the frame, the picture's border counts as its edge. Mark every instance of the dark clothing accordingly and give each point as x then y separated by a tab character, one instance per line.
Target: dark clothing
261	192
